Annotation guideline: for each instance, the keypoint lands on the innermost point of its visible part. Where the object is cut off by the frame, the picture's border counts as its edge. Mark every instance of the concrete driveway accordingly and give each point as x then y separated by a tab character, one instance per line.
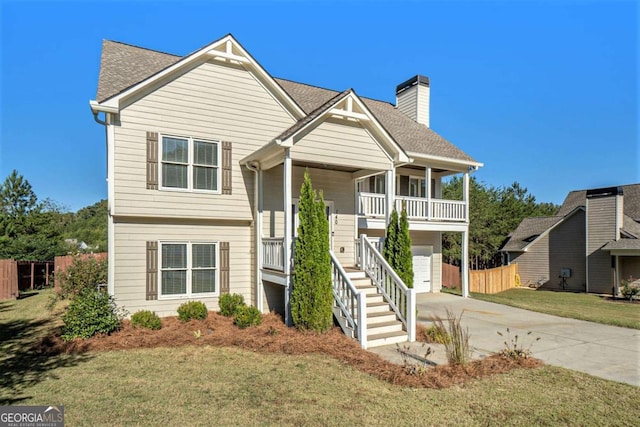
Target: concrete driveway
604	351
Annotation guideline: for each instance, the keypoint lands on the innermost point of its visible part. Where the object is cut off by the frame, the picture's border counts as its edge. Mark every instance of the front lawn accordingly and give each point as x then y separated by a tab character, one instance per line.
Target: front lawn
203	384
591	307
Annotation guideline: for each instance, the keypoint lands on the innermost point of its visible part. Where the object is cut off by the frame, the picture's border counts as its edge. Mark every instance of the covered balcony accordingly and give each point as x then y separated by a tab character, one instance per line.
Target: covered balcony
372	205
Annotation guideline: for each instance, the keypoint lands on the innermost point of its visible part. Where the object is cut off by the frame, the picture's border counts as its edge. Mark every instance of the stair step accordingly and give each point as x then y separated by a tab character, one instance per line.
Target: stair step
377	307
384	327
381	317
372	298
356	274
377	340
368	290
364	281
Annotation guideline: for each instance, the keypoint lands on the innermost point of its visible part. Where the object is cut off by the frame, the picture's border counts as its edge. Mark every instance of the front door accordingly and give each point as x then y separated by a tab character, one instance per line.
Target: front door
330	218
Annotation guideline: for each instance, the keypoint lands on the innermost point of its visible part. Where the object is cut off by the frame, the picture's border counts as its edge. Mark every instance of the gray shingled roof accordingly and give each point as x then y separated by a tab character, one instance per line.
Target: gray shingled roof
529	229
631	226
123	65
412	136
631	201
622	244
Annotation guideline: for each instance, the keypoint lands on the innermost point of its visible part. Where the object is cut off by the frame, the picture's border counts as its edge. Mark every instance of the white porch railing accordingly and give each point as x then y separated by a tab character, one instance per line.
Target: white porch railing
401	298
351	304
448	210
377	242
373	205
273	253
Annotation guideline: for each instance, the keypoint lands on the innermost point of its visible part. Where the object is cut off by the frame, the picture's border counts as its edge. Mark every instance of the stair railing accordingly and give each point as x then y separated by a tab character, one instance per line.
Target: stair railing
351	303
401	298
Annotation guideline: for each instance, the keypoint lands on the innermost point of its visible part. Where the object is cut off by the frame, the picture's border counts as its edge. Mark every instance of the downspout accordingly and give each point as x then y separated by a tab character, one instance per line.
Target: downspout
257	206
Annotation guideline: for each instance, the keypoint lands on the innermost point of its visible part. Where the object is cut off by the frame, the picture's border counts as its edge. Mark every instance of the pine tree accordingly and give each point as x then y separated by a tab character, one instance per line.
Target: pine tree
312	296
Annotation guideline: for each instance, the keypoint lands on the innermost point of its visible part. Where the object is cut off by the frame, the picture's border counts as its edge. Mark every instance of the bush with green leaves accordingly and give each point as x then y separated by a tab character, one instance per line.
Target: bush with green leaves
146	319
192	310
84	273
91	312
246	316
436	334
229	303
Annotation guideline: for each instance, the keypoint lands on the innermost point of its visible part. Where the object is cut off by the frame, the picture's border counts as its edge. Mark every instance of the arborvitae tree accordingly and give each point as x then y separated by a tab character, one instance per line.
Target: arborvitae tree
404	257
311	296
391	239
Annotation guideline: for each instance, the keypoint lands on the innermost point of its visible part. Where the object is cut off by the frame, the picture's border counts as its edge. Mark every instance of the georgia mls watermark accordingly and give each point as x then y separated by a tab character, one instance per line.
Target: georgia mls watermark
32	416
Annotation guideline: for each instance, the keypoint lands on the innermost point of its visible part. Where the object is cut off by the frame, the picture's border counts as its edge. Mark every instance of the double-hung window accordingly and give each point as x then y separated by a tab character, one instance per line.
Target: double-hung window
190	164
188	268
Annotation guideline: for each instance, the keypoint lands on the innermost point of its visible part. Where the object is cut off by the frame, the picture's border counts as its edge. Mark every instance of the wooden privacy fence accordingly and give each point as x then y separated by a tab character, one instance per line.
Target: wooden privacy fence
450	275
63	262
8	279
493	280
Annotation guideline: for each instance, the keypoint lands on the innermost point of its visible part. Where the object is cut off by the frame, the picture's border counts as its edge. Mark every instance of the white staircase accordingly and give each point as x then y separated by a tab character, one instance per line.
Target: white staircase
383	327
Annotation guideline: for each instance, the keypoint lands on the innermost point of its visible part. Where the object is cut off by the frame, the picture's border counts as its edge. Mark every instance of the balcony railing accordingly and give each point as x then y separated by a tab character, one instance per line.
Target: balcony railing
371	205
273	253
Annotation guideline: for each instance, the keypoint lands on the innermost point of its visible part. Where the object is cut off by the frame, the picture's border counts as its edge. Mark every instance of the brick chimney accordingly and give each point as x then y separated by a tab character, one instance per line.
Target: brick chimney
412	98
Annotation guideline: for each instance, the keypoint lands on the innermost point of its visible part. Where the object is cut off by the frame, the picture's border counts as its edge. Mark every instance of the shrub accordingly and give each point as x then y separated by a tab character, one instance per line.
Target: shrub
629	290
83	273
436	334
246	316
457	348
229	304
192	310
514	349
146	319
91	312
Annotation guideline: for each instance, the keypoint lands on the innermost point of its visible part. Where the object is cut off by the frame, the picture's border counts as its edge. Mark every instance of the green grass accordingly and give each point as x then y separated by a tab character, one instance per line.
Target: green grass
589	307
227	386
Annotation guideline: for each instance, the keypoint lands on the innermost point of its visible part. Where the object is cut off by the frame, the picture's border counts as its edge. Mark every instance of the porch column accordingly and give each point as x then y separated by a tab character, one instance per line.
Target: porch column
465	195
259	235
390	193
427	190
287	233
616	276
464	264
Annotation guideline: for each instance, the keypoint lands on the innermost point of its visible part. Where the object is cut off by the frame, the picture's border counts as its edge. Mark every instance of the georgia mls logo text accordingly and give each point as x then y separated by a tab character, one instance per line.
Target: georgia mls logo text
31	416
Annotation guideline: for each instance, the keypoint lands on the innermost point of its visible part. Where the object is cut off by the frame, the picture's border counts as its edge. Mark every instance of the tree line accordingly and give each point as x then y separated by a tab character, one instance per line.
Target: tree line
494	213
36	230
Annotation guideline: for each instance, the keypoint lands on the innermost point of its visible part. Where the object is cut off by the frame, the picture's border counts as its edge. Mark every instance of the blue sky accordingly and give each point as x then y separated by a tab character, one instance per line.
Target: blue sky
544	93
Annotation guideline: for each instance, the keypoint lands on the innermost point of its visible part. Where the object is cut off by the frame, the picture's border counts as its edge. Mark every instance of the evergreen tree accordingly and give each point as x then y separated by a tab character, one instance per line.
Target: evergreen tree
404	262
391	239
311	296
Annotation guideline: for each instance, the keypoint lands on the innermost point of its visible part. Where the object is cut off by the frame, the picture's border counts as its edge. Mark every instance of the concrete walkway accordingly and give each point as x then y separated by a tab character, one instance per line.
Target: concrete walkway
604	351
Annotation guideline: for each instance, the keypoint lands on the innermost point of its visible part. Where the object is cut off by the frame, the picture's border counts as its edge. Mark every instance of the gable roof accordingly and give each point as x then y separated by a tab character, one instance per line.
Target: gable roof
528	231
123	66
631	201
412	136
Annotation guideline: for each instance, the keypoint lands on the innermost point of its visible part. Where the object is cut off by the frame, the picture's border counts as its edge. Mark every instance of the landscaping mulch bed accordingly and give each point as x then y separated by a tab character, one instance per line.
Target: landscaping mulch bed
274	337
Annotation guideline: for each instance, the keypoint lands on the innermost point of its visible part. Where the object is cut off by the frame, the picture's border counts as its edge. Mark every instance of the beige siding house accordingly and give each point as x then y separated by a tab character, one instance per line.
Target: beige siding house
590	246
206	155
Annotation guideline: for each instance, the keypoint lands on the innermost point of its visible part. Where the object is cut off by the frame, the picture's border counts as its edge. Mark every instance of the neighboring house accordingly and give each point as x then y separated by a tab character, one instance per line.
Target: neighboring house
206	155
594	242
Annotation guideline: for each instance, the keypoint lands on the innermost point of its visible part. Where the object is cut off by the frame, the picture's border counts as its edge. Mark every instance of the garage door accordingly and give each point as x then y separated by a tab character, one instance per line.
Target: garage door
422	268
